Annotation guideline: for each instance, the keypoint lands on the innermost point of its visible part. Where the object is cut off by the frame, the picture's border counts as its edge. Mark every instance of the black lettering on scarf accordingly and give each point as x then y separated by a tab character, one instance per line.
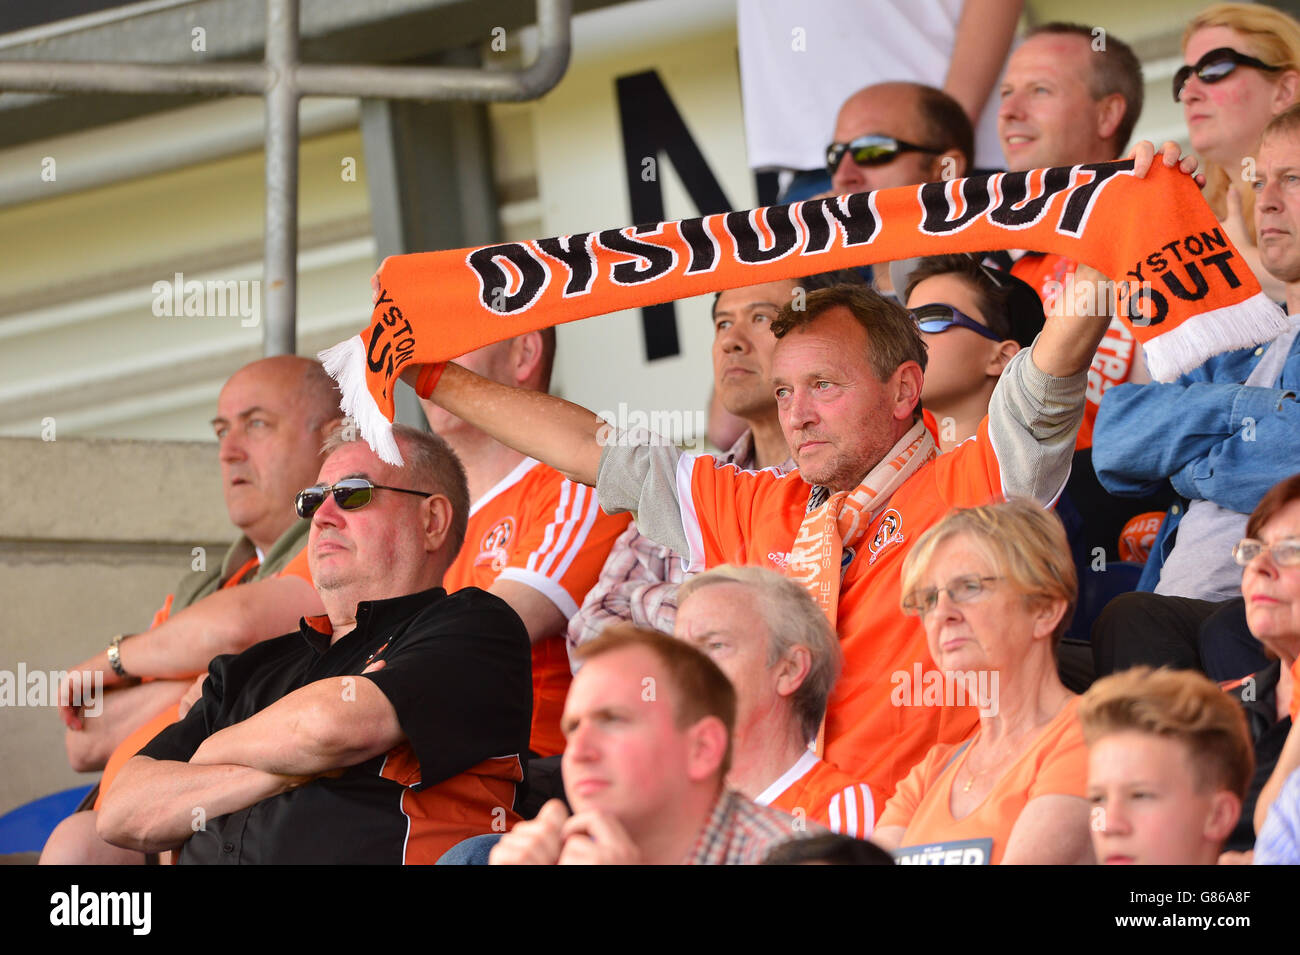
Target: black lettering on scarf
493	280
704	247
652	260
1074	218
377	364
854	215
1014	212
1199	287
1134	307
1220	261
938	200
750	241
574	253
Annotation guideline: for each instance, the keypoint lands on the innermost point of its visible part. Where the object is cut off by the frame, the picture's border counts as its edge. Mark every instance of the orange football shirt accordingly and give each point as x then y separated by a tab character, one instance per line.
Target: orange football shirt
541	530
1113	363
1055	764
825	795
752	517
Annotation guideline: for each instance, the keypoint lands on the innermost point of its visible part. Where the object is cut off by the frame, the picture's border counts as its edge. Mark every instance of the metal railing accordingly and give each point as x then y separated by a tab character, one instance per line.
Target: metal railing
282	80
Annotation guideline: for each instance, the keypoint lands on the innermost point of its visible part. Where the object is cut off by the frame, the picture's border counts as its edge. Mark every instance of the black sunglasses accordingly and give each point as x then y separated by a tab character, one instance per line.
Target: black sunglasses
349	494
1215	66
871	150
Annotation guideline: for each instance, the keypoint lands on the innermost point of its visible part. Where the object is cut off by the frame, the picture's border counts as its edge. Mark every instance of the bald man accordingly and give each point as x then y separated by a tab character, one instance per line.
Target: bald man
272	419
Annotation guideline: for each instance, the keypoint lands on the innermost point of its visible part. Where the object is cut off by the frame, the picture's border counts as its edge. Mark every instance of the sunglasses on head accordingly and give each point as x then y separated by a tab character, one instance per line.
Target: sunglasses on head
871	150
937	318
1215	66
349	494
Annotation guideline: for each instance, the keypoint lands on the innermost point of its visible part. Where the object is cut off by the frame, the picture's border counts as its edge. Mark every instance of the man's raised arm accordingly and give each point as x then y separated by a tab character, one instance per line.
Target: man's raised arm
1037	407
554	431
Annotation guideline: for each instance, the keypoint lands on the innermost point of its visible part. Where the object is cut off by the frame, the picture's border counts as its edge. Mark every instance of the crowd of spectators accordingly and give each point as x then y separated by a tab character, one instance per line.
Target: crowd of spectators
879	615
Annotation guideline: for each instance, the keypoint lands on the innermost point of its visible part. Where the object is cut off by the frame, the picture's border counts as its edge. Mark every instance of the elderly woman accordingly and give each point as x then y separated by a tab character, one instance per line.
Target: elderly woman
995	587
1241	68
1270	585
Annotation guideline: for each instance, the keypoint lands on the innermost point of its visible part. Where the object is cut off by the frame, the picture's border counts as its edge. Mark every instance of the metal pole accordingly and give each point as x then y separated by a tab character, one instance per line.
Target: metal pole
283	81
280	266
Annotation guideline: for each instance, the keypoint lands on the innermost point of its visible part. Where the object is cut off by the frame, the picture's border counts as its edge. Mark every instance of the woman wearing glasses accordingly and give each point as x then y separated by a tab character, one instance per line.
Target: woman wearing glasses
1270	584
1241	68
995	588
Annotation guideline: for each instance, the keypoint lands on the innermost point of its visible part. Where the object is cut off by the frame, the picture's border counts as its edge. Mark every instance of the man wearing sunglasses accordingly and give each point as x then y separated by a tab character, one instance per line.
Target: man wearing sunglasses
898	134
272	417
384	731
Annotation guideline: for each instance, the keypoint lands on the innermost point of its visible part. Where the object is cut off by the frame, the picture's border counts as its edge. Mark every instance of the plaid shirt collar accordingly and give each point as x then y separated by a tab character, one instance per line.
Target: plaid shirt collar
739	832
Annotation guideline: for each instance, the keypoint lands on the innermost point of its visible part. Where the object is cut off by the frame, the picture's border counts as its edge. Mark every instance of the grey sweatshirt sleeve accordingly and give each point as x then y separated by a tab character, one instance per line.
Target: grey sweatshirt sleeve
1033	422
643	479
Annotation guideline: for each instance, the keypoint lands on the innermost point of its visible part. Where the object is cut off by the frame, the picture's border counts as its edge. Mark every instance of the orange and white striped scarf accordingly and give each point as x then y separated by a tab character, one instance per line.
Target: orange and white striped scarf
835	522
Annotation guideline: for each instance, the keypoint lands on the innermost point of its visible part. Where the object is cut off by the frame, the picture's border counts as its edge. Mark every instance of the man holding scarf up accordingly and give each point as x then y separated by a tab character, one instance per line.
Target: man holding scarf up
847	374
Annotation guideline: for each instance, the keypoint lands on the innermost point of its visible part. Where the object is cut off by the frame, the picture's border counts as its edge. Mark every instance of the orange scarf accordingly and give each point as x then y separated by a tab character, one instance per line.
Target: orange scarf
1199	297
837	521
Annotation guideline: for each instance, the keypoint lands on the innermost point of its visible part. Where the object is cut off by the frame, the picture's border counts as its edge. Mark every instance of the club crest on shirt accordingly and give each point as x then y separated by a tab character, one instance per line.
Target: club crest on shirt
888	531
492	549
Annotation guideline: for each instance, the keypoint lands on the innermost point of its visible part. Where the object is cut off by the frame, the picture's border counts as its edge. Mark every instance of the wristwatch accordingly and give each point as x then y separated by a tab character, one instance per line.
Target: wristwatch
115	655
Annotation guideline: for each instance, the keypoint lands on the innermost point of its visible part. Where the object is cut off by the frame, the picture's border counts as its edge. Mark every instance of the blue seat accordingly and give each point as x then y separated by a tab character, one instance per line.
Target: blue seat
27	828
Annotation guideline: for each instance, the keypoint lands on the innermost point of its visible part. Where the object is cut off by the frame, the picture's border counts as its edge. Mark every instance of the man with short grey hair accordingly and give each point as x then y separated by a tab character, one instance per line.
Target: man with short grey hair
778	650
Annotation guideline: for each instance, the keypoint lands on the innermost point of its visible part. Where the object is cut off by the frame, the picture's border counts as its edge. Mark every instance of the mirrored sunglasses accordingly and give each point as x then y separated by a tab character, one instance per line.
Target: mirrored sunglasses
349	494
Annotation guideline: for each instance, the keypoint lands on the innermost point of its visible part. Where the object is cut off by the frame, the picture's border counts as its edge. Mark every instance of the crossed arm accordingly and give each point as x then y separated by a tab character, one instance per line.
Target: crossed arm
323	727
228	621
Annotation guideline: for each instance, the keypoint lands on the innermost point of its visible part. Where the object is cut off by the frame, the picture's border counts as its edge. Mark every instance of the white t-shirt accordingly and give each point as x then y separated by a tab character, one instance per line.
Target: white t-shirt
794	83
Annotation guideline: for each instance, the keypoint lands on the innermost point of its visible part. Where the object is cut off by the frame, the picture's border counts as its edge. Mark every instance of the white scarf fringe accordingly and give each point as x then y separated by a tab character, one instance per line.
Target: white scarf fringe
346	364
1258	319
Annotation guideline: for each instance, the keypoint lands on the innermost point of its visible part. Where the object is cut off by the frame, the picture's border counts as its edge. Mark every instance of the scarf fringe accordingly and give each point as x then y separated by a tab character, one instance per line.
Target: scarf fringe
1188	346
346	364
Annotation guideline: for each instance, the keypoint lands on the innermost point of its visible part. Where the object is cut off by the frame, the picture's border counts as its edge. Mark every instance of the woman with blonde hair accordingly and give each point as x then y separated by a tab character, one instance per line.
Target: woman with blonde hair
1241	68
995	589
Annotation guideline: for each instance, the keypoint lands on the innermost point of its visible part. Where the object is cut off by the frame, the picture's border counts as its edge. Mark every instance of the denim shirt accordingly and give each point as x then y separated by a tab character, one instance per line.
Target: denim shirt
1212	437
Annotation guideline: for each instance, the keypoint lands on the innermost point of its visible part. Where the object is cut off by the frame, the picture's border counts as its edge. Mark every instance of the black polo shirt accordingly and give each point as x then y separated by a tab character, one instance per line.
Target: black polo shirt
458	672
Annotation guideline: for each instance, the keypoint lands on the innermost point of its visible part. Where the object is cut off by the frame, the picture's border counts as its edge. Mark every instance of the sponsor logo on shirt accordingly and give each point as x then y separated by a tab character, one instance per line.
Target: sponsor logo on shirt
492	549
780	559
888	531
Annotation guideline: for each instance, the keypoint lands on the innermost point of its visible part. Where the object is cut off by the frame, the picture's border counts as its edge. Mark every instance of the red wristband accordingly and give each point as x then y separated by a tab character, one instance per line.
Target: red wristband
428	379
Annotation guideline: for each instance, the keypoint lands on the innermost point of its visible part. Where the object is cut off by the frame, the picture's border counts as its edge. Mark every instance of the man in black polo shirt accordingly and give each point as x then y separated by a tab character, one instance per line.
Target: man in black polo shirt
385	731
